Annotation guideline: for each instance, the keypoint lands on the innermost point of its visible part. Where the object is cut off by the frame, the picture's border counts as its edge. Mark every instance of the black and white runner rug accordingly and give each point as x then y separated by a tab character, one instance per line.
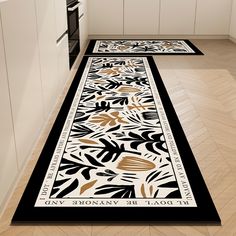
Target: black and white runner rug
117	153
142	47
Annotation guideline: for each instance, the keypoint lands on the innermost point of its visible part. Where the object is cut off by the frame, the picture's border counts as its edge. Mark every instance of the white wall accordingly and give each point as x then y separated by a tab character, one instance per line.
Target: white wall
233	21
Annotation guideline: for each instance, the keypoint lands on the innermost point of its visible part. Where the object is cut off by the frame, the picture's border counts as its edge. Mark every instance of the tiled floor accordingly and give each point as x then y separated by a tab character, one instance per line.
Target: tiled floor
203	91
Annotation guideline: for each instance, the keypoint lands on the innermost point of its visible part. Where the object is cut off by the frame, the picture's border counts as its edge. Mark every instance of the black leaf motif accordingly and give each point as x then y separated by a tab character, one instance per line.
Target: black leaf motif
148	99
137	80
80	131
93	161
155	194
120	100
149	139
172	184
154	176
72	168
93	75
54	190
120	191
59	182
69	189
76	157
86	173
110	151
108	173
164	177
149	115
103	106
80	119
112	84
88	98
92	90
114	128
174	194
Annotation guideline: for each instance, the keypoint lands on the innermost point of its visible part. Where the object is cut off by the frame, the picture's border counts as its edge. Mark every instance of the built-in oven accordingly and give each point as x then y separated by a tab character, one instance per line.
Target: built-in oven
73	29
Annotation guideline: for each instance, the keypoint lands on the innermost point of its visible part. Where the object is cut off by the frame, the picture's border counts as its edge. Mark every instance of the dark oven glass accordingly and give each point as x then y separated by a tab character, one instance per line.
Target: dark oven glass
73	30
69	2
73	22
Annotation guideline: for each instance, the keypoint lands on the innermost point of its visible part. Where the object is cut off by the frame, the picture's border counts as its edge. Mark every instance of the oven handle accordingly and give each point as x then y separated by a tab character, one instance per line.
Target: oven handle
74	7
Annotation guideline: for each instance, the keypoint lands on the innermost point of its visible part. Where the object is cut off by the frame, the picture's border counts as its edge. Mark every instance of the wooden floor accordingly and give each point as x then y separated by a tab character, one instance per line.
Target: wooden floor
203	91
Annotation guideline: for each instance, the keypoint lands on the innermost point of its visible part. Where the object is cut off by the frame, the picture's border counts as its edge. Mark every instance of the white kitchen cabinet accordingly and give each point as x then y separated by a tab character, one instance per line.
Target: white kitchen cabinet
213	17
83	31
8	167
141	17
177	17
60	13
233	21
23	67
82	7
83	24
63	61
105	17
47	37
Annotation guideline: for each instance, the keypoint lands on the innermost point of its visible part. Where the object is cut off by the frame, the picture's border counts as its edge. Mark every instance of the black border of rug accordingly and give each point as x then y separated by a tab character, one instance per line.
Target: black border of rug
204	213
89	50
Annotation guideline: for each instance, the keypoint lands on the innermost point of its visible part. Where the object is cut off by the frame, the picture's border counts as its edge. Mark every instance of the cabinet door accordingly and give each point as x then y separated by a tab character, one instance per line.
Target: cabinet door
63	61
61	17
8	167
47	36
22	58
83	24
213	17
105	16
177	17
141	17
233	21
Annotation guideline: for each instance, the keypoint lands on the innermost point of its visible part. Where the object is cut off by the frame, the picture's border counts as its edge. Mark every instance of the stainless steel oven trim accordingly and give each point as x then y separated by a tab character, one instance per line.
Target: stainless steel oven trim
74	7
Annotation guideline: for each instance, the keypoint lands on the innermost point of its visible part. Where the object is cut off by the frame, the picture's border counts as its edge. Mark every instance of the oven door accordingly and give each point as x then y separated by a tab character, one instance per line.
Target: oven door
73	30
73	18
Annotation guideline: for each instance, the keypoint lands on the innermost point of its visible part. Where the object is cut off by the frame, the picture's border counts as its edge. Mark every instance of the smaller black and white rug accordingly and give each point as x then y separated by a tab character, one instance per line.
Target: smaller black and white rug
142	47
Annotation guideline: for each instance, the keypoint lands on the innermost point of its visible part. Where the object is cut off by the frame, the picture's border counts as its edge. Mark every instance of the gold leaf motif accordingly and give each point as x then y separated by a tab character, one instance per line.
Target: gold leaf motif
99	81
108	119
100	97
88	141
143	191
122	47
87	186
139	107
151	190
110	71
131	163
128	89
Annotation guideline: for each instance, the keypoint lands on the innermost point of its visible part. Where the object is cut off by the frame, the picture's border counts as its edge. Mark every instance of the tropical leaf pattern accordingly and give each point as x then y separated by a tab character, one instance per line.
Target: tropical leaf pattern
141	46
116	147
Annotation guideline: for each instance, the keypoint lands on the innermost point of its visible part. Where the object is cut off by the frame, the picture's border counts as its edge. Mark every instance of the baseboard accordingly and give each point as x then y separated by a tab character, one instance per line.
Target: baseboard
232	39
158	36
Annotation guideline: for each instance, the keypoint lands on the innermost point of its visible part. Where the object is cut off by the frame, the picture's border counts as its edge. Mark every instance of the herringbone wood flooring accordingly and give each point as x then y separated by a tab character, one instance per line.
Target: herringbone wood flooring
203	91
